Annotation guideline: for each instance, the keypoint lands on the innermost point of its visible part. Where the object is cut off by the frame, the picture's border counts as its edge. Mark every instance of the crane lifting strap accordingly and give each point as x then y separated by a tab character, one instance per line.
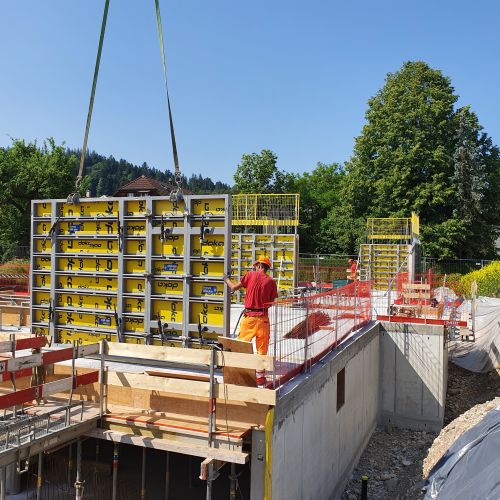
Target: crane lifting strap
92	95
171	121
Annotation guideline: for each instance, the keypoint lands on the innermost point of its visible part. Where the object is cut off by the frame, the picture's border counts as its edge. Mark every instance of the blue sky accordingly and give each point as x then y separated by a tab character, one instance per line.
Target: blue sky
291	76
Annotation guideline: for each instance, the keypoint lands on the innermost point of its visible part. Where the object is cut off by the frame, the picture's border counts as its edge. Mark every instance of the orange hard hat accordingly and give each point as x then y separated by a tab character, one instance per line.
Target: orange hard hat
265	261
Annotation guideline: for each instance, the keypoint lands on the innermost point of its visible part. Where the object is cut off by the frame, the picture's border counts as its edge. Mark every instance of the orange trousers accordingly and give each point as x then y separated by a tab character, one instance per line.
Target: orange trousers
258	327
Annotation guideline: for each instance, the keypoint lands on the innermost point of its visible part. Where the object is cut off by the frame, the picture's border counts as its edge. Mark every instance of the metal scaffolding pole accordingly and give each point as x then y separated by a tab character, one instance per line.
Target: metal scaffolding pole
78	482
232	482
167	475
143	475
3	474
39	477
70	464
115	469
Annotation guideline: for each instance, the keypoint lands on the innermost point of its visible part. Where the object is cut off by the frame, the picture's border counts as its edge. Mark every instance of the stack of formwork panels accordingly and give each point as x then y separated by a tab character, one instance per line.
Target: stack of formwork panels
136	270
392	248
281	249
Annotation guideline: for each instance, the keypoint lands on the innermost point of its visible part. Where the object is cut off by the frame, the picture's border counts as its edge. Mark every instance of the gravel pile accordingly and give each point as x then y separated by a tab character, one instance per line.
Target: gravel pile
393	463
397	461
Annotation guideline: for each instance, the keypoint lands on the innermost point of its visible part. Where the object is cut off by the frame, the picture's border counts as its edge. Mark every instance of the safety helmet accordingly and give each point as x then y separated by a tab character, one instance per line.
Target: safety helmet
263	260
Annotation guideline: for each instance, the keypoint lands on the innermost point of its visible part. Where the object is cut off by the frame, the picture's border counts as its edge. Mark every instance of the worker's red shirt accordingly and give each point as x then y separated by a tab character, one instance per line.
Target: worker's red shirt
353	267
261	290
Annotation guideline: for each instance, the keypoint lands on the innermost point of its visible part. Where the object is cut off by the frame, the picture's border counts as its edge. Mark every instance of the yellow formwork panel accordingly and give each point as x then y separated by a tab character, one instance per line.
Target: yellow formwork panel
172	244
40	316
169	208
133	305
208	289
135	228
168	287
211	246
135	266
43	209
167	310
133	324
82	301
89	209
207	268
166	267
283	254
42	245
73	318
137	207
206	313
41	281
90	264
135	247
42	263
87	246
208	207
41	298
97	283
133	285
81	228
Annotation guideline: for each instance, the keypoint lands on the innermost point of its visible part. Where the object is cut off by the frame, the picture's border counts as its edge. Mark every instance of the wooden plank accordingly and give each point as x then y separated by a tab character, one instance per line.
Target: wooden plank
238	376
416	286
182	376
46	358
24	343
174	446
209	466
191	356
44	390
174	386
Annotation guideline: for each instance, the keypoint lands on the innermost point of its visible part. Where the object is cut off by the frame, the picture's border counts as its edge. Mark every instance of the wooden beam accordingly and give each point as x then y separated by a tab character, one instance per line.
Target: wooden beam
46	358
24	343
191	356
43	390
174	446
209	466
191	387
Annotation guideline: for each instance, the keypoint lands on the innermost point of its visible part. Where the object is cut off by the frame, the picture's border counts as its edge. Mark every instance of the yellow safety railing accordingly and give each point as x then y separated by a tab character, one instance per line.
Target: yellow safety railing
393	228
265	209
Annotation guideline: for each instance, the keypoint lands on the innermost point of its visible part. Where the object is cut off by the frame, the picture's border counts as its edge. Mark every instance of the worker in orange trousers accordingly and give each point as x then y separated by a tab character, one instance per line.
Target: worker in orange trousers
261	291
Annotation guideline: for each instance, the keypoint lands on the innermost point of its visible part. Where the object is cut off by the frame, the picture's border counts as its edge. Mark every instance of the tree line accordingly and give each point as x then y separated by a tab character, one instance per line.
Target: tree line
417	152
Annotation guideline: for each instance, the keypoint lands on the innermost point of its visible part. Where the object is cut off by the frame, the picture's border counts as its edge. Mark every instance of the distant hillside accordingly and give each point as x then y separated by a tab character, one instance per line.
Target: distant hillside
104	175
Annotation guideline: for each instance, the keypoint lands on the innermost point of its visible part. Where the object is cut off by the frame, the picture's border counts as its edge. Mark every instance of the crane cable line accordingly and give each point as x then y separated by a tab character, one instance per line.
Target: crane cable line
92	96
177	194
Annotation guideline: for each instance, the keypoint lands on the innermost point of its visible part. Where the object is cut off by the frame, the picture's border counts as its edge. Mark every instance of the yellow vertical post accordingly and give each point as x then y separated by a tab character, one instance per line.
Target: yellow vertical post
268	469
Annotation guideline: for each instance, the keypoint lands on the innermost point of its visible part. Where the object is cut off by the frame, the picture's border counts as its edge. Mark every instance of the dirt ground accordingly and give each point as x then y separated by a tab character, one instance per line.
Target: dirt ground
397	461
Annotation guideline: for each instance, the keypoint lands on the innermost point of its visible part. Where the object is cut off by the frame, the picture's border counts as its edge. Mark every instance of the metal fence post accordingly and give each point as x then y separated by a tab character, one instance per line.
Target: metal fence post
306	341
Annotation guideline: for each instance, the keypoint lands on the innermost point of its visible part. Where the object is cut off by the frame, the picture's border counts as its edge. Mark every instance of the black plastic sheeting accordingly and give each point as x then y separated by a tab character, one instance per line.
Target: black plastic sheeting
470	469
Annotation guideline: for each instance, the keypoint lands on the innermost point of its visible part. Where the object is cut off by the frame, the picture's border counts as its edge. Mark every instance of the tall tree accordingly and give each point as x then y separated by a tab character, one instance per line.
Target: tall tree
404	160
258	173
476	182
28	172
319	192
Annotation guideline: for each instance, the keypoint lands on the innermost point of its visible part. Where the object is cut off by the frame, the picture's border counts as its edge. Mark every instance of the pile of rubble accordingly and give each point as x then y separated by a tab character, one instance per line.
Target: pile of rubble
397	461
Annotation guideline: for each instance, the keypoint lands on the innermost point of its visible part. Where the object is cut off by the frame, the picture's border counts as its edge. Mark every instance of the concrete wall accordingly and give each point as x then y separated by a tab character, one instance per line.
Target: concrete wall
314	447
413	374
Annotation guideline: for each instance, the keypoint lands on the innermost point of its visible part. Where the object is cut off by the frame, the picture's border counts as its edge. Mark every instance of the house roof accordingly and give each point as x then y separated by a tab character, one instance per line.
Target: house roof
145	185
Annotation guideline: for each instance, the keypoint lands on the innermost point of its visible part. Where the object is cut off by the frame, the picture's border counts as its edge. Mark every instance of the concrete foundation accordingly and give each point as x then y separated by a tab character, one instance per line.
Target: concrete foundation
393	374
413	375
314	444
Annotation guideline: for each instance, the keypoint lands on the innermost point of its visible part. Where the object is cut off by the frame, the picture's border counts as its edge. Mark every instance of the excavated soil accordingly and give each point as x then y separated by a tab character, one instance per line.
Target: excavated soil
397	461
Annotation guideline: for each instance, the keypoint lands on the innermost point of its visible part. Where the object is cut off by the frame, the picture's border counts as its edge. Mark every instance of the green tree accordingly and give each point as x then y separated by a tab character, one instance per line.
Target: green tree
258	173
29	172
476	182
319	193
404	160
